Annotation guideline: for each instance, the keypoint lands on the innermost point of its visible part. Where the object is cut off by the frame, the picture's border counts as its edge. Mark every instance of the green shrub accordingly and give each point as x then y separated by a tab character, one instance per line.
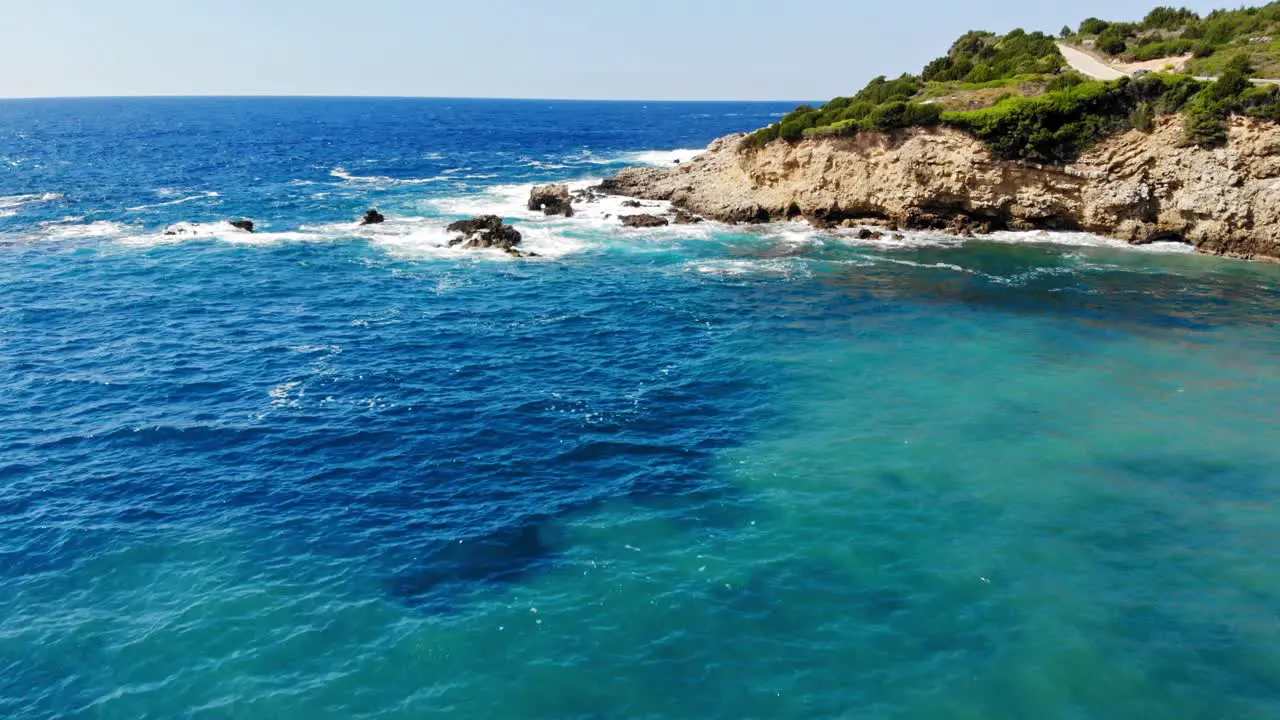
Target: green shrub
895	115
1163	48
1166	18
1261	102
1065	32
1167	94
1205	123
1065	81
1204	50
979	57
880	90
1143	118
1240	63
1094	26
1111	42
1230	85
1051	128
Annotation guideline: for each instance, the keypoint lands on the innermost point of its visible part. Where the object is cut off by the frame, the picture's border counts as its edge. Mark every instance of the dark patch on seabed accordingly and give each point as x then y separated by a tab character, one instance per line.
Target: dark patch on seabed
462	566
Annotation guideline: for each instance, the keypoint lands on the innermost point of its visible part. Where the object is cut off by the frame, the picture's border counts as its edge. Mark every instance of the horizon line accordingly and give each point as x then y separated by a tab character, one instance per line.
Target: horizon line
303	96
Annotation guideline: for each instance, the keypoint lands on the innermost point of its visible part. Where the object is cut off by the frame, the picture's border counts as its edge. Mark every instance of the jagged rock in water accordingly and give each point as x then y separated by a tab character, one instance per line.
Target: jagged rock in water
484	232
685	218
867	234
644	221
587	195
631	203
962	226
246	225
373	217
551	200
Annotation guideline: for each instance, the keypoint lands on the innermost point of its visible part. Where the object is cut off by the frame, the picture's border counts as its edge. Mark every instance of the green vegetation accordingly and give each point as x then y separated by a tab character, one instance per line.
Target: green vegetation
977	61
1014	93
1212	39
980	57
1056	127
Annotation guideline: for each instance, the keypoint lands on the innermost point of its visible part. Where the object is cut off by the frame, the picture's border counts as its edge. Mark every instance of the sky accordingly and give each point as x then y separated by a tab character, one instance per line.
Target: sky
597	49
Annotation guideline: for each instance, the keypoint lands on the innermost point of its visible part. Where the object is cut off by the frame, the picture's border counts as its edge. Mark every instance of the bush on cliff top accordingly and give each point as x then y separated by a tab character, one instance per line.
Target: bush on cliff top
982	57
884	104
1055	128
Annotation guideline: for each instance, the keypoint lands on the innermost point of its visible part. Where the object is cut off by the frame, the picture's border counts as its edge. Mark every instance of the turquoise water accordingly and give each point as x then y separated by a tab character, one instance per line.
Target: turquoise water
326	472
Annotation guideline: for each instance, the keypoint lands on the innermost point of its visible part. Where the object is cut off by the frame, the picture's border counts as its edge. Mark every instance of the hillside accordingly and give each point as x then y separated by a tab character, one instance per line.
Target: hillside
1213	41
1016	94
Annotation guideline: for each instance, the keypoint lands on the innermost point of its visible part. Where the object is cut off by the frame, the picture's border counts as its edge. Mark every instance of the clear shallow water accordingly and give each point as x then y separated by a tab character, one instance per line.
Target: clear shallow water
325	471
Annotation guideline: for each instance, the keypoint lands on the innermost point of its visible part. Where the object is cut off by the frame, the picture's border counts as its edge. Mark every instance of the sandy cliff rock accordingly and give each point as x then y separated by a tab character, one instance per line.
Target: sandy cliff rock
1137	187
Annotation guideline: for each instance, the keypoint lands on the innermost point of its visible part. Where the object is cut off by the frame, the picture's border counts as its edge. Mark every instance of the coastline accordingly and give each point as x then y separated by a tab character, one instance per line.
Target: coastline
1135	187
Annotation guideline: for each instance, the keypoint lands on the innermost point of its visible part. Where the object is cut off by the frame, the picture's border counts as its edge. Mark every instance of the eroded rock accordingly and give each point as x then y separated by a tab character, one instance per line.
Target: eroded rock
486	232
1138	187
644	221
551	200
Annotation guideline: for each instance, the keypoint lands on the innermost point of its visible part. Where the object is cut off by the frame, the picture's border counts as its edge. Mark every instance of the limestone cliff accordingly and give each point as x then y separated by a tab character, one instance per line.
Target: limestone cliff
1139	187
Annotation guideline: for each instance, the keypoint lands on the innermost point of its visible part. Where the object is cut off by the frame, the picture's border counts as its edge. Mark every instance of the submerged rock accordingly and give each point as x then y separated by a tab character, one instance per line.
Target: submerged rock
867	234
246	225
631	203
686	218
644	221
551	200
485	232
373	217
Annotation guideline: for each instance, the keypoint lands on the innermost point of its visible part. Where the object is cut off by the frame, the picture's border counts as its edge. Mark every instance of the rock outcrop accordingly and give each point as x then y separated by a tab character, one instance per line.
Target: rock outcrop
644	221
487	232
1138	187
373	217
585	195
246	225
551	200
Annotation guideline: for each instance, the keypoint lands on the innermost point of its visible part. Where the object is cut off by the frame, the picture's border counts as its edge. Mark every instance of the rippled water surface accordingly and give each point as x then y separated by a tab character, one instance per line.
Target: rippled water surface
324	471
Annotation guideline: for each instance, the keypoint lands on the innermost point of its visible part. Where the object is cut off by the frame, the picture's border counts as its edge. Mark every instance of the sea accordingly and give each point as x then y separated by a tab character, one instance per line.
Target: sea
327	470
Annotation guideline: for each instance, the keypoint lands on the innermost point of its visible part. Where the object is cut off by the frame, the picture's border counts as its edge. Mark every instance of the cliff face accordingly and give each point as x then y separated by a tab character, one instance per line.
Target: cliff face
1137	187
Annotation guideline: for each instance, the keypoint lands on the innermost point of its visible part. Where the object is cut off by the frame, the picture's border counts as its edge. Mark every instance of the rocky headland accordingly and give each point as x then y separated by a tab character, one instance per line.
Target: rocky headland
1140	187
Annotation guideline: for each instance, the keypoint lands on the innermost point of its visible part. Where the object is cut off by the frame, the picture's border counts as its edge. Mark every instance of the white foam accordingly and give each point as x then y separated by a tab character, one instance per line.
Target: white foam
186	232
1079	239
895	239
754	267
663	158
342	174
284	395
509	201
928	266
420	238
602	215
541	165
101	229
8	202
921	239
165	192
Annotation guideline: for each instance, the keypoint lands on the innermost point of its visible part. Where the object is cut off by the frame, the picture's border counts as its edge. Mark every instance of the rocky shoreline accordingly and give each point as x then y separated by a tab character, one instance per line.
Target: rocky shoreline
1137	187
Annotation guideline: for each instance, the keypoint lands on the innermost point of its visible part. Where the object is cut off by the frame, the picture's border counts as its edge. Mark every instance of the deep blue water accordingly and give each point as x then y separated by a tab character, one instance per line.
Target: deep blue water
331	471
